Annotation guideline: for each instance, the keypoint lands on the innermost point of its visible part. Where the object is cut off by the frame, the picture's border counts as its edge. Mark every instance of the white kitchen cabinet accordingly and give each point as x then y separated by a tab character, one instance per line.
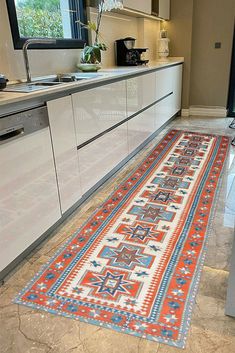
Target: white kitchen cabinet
164	9
164	84
140	128
163	112
161	8
141	92
99	157
176	74
139	5
29	202
169	80
65	151
98	109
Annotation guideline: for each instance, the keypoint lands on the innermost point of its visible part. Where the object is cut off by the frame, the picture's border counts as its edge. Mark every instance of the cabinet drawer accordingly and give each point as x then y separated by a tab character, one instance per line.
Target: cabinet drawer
140	128
163	111
99	157
163	83
97	109
141	92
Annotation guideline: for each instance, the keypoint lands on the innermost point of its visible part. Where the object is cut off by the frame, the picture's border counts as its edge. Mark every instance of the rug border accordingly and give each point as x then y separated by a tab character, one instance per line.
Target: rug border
194	287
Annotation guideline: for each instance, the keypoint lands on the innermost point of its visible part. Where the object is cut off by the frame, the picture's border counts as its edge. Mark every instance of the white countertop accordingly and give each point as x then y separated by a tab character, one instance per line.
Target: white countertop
106	74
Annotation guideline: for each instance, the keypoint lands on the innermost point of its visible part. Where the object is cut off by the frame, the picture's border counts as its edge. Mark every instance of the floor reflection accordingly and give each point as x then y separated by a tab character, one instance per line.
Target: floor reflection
229	215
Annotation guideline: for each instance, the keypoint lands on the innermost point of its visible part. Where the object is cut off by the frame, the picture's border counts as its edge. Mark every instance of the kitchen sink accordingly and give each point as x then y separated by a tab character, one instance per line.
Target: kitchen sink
50	81
30	87
44	83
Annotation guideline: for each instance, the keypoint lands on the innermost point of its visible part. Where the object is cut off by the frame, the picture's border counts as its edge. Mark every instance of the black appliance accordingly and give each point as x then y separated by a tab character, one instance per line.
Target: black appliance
127	55
3	82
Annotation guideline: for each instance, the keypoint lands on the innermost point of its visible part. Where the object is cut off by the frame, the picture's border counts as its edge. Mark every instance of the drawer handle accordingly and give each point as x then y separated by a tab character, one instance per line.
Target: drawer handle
11	133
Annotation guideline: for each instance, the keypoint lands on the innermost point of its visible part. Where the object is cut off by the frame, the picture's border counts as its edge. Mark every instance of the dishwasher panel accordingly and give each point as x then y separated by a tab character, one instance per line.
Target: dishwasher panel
29	201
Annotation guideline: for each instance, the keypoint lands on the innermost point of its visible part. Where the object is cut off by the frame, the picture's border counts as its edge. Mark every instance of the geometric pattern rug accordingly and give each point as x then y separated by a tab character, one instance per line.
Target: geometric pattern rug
134	266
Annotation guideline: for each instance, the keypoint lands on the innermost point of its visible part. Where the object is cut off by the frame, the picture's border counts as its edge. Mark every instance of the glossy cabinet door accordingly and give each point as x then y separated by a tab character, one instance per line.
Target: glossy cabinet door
98	109
29	202
139	5
163	111
65	151
164	9
164	84
140	128
176	74
141	92
99	157
169	80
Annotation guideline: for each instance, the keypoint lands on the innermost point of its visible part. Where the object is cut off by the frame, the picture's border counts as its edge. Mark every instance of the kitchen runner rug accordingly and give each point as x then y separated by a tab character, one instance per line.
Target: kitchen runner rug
134	266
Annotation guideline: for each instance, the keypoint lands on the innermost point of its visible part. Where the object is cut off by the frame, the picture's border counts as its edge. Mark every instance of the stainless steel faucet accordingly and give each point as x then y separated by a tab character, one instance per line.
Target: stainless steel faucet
25	52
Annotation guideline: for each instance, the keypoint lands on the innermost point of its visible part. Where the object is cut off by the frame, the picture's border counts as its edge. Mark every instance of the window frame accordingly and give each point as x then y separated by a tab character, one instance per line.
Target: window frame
66	43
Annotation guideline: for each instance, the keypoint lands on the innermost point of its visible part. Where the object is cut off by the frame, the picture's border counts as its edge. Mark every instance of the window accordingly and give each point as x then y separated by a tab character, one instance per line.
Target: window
48	19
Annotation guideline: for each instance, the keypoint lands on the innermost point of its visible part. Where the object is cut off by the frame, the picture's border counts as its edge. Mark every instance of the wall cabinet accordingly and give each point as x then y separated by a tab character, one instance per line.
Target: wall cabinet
99	157
139	5
161	8
164	9
65	151
97	109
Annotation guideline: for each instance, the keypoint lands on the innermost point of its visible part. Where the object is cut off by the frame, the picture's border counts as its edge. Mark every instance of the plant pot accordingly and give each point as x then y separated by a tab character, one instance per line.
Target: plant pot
86	67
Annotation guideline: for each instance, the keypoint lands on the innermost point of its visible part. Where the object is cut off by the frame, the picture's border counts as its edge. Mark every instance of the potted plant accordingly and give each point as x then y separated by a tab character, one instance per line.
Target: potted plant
91	54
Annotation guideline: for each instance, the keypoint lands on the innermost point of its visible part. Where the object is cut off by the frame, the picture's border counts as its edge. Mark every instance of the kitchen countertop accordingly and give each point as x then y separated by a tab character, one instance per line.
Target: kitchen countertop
8	100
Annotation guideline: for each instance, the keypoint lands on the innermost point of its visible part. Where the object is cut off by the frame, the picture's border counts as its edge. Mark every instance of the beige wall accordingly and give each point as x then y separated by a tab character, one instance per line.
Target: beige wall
148	37
180	33
114	26
213	21
194	28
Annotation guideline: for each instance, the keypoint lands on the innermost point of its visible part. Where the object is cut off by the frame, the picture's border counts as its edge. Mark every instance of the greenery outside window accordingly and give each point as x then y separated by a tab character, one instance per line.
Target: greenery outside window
58	19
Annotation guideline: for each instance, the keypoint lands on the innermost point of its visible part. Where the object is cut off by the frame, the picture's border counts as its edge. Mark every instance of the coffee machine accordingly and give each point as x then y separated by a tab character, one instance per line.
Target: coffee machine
127	55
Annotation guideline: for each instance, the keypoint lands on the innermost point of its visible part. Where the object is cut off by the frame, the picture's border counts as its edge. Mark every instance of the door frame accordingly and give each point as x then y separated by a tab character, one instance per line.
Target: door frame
231	94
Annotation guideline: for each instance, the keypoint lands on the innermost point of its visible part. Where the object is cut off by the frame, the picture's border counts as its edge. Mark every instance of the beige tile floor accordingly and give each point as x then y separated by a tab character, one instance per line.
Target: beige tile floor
23	330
